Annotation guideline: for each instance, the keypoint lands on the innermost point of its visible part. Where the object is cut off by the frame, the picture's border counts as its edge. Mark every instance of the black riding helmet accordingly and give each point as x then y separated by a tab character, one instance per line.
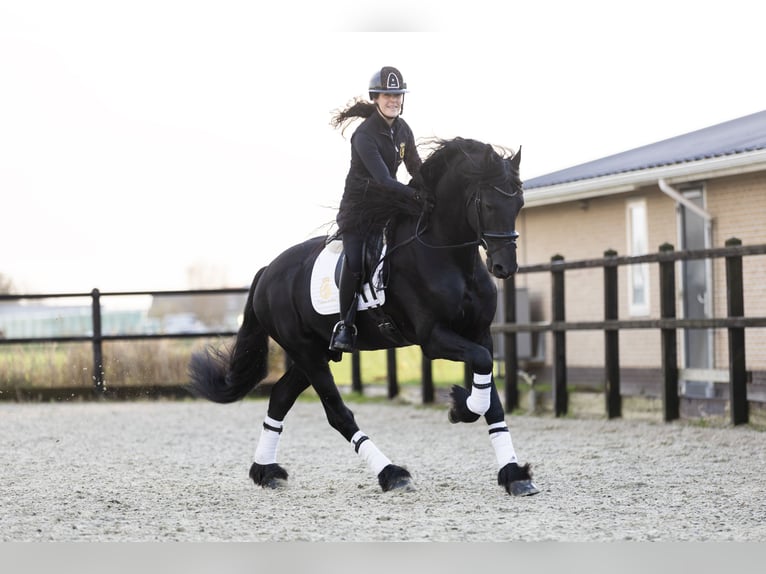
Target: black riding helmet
387	80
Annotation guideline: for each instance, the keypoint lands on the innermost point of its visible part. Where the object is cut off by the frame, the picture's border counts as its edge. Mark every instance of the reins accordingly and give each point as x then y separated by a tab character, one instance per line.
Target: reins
481	234
421	227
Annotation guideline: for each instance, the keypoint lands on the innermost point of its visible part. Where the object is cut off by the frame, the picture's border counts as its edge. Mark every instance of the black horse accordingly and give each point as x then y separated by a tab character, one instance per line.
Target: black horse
439	294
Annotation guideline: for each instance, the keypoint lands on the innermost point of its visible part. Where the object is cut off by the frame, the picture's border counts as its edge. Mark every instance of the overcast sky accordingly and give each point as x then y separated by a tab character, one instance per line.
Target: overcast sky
139	139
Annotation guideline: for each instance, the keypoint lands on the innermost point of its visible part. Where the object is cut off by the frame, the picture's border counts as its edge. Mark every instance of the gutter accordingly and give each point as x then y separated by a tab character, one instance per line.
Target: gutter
678	198
721	166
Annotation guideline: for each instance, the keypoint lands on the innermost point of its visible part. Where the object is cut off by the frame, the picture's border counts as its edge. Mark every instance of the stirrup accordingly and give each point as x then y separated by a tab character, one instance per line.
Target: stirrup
343	337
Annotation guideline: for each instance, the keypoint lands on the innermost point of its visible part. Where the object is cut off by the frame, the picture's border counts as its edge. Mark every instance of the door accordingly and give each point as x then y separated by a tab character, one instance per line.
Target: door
697	295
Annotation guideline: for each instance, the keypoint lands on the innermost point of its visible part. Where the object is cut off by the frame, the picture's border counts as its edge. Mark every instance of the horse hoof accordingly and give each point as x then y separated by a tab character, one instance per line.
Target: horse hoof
275	484
394	477
522	488
268	475
401	485
517	480
459	411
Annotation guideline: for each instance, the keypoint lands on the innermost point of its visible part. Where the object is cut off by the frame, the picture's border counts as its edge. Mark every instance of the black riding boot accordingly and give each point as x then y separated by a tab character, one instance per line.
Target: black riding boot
344	333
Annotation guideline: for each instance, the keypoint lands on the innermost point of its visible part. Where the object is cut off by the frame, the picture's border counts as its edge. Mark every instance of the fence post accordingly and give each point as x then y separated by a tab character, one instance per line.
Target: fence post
356	373
393	380
611	339
560	396
670	399
427	377
98	355
735	306
511	347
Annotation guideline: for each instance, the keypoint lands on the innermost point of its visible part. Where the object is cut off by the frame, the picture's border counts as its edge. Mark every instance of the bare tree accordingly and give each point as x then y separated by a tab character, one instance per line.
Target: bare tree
6	288
6	285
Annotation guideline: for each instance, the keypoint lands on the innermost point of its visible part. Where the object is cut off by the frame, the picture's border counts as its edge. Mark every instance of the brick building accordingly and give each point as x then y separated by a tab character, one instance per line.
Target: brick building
693	191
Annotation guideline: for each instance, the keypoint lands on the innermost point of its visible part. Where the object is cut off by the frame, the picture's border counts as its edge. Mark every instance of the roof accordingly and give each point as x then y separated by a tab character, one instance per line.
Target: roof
738	136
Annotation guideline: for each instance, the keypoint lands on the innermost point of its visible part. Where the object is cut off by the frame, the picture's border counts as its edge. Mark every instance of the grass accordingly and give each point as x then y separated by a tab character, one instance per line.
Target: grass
71	364
165	362
374	367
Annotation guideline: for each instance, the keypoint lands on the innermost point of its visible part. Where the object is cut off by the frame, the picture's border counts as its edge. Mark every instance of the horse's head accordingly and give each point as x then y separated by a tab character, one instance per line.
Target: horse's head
478	195
497	203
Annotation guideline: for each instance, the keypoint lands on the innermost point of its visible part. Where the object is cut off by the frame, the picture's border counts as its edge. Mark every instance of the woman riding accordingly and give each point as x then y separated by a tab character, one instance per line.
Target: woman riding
379	145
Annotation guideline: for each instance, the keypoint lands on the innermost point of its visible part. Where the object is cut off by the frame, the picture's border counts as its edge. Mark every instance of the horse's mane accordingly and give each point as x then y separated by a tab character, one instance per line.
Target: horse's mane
486	162
377	205
372	208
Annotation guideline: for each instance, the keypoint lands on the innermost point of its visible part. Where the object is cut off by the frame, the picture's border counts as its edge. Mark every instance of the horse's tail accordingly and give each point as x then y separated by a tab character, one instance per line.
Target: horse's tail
228	375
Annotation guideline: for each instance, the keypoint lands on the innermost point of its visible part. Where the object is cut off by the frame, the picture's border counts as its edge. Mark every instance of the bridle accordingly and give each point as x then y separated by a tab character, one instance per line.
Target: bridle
482	235
507	237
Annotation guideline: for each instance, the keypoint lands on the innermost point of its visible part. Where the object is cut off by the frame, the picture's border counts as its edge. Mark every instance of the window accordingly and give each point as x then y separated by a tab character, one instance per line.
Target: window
638	244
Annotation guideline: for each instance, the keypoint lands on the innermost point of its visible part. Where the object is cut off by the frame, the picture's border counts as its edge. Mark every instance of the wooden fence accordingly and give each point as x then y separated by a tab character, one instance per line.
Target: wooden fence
97	337
735	322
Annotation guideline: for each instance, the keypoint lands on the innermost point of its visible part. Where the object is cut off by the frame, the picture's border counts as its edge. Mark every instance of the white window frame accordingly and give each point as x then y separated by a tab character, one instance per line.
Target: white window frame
637	228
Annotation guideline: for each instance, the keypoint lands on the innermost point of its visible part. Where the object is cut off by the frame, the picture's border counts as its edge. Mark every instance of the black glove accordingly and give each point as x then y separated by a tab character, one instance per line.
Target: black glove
425	200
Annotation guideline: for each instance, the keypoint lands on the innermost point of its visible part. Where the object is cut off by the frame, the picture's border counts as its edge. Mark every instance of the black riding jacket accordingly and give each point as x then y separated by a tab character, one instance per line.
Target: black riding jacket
377	151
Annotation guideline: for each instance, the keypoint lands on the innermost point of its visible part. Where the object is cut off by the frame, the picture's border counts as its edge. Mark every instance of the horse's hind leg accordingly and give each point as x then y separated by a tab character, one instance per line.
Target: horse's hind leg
516	479
265	471
340	417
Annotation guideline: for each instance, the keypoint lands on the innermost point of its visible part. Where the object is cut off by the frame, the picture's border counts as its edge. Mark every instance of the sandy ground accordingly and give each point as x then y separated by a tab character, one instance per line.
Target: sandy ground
177	471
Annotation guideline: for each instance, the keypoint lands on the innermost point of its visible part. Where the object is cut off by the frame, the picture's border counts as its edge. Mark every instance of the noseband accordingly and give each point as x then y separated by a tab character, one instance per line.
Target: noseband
483	235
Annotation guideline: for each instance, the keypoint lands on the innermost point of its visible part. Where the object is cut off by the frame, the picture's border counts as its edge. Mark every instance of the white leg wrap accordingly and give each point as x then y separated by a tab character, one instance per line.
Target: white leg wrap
500	437
478	402
376	460
266	451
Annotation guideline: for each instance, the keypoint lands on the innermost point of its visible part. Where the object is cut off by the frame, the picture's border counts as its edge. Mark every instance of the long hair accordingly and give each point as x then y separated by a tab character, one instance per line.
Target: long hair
355	109
370	208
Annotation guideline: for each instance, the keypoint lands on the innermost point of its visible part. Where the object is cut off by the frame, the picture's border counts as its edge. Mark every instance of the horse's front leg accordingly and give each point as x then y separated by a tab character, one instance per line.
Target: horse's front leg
514	478
446	344
482	400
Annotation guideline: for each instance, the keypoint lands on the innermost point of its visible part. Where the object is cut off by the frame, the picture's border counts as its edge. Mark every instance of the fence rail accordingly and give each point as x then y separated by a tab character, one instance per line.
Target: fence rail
97	337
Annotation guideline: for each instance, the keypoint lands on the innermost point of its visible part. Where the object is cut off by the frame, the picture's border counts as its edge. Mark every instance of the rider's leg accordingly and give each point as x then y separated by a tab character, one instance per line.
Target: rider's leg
344	333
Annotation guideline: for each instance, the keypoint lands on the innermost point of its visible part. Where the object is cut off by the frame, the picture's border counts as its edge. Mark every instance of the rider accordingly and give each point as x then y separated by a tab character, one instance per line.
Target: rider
378	147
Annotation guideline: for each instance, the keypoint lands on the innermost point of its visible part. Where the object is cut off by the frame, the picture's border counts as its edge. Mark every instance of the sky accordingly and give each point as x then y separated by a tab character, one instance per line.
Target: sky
166	144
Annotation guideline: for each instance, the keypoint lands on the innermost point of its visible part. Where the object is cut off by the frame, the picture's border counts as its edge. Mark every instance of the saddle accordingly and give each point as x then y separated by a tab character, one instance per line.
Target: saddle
329	271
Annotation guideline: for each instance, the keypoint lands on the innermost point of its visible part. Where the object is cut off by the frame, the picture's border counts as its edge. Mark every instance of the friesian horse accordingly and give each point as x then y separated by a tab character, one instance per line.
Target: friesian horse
439	294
